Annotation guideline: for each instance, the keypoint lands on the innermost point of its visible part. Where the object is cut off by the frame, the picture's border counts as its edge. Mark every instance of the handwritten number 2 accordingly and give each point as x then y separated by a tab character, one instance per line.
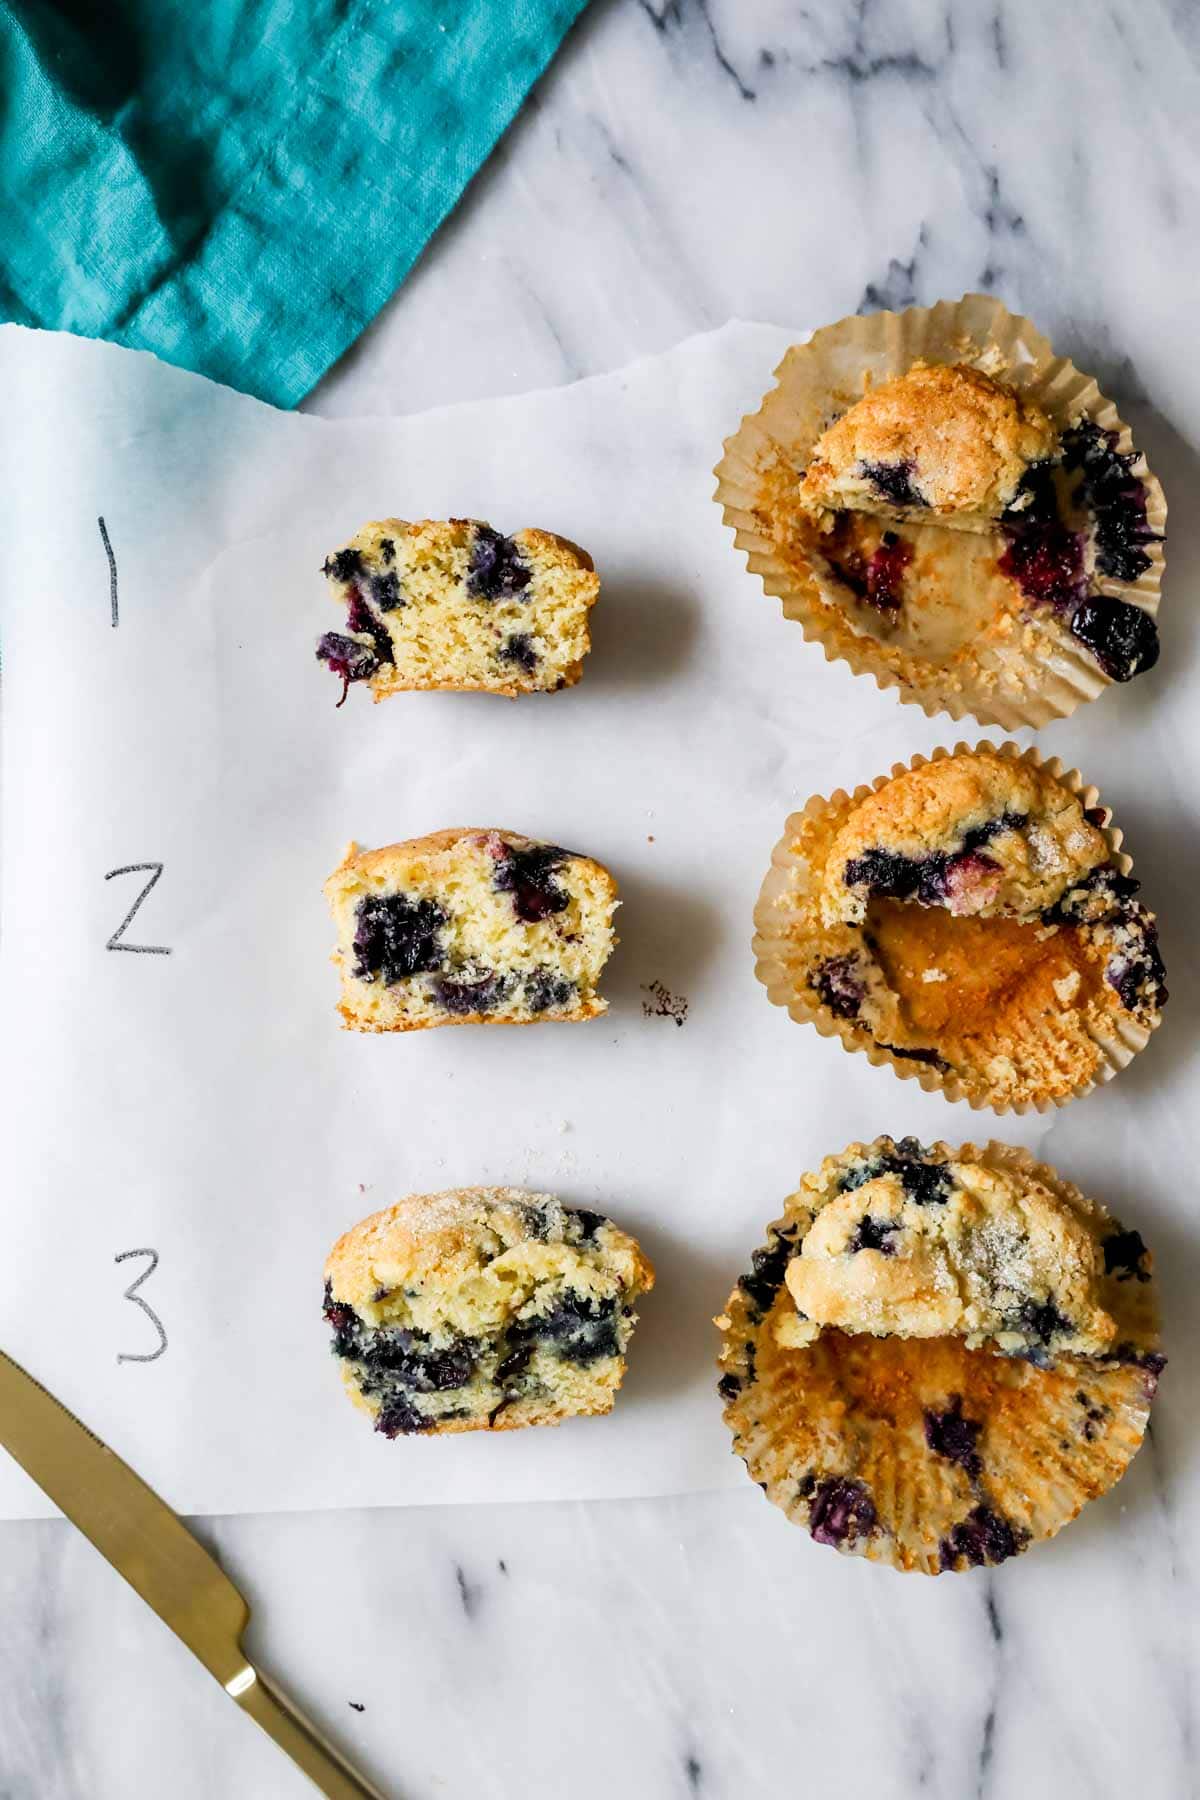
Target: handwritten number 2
117	940
131	1293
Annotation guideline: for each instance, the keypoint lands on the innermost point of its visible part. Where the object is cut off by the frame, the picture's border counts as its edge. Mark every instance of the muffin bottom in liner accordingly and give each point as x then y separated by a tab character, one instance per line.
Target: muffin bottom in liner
1112	1038
973	645
920	1452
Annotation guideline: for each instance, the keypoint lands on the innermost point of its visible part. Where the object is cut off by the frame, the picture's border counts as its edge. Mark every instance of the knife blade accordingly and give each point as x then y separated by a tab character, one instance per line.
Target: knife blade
157	1555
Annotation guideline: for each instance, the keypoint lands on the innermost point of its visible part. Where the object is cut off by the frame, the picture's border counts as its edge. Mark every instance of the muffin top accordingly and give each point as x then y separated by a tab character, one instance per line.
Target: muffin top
942	442
903	1241
978	833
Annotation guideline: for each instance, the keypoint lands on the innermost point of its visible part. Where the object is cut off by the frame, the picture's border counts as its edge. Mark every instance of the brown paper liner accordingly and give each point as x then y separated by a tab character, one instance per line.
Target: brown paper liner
835	1432
1035	671
779	967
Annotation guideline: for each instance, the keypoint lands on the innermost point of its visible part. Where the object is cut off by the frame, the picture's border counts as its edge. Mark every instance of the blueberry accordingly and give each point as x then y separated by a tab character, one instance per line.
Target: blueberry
1043	555
1042	1320
349	660
768	1267
1123	1253
458	994
343	565
883	872
497	570
927	1182
893	481
544	989
385	591
1115	497
1122	638
950	1435
387	550
580	1330
514	1365
396	936
982	1537
400	1418
528	875
840	1509
839	985
519	649
729	1387
875	1234
587	1223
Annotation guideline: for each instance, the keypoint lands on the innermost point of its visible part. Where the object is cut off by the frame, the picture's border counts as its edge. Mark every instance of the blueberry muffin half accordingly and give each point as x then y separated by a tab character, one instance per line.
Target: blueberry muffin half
470	926
939	1355
456	604
483	1309
969	919
951	508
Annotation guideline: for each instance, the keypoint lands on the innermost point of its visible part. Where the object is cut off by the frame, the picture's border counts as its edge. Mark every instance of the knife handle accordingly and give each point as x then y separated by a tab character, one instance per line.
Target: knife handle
300	1740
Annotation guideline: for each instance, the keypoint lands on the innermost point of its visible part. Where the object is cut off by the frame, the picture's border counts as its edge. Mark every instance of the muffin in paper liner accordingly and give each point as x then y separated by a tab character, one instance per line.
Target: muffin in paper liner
934	1453
967	639
1015	1014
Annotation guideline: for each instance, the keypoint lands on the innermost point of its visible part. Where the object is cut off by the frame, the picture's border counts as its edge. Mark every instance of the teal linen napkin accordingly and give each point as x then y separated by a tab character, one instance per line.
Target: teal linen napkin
239	185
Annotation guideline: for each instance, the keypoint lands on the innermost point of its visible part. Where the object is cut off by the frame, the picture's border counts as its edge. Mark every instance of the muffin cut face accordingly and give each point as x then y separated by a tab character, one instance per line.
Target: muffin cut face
457	605
968	916
939	1356
483	1309
470	926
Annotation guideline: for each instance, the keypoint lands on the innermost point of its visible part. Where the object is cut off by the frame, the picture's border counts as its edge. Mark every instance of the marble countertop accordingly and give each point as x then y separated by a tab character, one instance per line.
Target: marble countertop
685	162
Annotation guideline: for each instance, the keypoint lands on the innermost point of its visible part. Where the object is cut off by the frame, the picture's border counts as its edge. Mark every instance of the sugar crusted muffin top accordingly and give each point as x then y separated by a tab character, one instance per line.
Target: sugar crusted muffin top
944	442
911	1242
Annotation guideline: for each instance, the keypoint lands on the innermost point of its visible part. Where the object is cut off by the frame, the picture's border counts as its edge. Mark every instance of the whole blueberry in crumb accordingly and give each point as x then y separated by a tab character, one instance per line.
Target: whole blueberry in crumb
385	591
1122	638
400	1418
875	1234
387	550
1042	1320
840	986
519	649
729	1387
893	481
343	565
457	994
498	571
396	936
529	876
768	1268
950	1435
545	989
514	1365
840	1509
587	1223
982	1537
1124	1252
349	660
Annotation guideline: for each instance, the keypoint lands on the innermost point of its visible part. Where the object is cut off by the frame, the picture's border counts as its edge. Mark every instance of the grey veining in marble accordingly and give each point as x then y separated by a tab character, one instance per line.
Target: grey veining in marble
685	162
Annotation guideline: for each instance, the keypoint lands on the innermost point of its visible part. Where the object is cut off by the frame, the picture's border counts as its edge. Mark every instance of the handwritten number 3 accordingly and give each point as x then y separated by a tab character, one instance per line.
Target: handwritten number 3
131	1293
116	941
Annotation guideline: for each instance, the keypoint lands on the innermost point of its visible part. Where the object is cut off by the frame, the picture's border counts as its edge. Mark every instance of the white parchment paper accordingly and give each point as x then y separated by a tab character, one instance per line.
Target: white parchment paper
204	1104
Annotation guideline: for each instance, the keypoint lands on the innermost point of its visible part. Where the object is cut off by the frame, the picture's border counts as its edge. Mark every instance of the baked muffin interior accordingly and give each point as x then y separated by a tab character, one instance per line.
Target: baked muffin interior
470	926
483	1308
456	604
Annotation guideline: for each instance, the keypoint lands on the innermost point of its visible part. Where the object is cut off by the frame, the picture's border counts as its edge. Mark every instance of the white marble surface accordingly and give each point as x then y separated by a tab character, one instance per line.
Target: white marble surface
681	165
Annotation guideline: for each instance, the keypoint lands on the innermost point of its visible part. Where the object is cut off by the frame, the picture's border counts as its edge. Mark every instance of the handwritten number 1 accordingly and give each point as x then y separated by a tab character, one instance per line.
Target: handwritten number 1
131	1293
116	941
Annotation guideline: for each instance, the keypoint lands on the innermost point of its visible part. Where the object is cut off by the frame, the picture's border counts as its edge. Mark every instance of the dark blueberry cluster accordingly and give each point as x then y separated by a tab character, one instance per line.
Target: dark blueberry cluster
840	986
343	565
875	1234
1115	497
840	1509
956	1438
1135	968
927	1182
982	1537
579	1329
348	657
1125	1256
471	994
768	1267
529	876
893	481
519	649
932	879
498	571
396	936
1045	556
545	989
729	1386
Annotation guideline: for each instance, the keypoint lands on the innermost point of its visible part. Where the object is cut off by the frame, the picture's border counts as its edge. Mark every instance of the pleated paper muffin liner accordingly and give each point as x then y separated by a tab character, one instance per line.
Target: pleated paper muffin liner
924	1454
780	960
1013	667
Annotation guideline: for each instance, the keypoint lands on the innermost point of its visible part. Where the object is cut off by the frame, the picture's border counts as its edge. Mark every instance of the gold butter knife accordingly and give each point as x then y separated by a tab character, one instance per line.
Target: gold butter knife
160	1559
